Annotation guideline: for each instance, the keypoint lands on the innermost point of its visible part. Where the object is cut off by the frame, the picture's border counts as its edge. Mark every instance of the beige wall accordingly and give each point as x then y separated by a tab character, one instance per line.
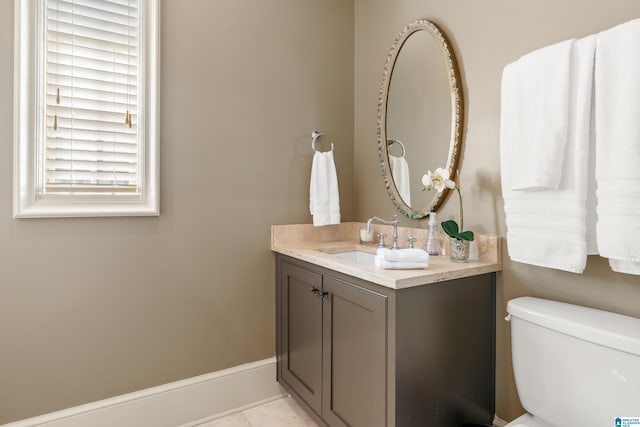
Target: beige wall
486	36
92	308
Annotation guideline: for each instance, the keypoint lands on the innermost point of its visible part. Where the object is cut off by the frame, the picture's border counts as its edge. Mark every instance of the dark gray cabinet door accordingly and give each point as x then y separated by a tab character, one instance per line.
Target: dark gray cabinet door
354	355
302	333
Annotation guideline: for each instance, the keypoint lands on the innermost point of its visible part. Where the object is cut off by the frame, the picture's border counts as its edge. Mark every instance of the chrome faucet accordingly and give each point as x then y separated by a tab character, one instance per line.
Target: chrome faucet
393	222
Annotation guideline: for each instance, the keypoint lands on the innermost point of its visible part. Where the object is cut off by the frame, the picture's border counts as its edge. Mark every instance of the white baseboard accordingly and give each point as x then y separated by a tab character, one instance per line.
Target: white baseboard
182	403
498	422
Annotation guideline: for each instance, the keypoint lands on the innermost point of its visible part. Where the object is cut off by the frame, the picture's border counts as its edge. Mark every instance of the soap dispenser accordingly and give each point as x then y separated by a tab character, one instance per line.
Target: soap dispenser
433	239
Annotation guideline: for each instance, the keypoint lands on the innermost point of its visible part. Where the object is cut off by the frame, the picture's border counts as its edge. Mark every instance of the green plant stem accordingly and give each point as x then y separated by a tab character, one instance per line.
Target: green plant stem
461	212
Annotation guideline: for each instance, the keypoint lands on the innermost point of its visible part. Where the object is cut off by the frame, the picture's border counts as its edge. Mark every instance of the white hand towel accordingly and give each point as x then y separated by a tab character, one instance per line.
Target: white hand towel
403	255
549	228
400	173
380	262
539	105
401	259
617	119
324	199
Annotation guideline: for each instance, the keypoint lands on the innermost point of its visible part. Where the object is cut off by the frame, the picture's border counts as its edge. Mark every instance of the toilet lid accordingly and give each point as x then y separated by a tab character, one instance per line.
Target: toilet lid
527	421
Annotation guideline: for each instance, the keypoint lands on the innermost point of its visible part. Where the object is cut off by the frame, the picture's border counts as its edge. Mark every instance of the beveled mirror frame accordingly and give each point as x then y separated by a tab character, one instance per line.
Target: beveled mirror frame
457	116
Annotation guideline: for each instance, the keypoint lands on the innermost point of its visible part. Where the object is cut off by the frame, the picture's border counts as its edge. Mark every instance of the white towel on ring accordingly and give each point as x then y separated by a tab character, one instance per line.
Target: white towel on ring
617	117
324	198
553	228
401	178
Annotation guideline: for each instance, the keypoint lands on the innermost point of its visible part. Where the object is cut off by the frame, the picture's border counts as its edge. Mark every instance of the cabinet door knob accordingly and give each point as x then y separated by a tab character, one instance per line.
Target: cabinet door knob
319	291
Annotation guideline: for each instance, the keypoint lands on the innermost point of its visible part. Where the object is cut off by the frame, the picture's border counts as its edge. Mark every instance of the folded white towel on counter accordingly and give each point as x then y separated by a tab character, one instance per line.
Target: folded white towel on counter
324	198
392	265
401	259
547	227
536	90
403	255
617	121
400	173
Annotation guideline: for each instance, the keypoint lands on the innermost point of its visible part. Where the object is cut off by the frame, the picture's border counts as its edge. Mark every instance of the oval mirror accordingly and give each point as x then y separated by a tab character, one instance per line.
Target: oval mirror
420	116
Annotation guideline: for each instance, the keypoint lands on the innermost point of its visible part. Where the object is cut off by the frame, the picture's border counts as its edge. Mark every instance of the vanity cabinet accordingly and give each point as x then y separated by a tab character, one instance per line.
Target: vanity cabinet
358	354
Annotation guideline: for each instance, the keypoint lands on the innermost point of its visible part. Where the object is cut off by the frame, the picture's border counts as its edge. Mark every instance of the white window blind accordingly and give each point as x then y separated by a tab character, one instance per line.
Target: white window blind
92	79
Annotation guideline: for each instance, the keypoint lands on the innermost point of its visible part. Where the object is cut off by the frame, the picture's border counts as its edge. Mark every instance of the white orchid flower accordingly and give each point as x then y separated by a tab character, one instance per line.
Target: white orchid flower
426	180
429	180
438	180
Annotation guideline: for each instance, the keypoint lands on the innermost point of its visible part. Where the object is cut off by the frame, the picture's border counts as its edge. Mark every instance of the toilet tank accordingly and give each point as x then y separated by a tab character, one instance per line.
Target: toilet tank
573	365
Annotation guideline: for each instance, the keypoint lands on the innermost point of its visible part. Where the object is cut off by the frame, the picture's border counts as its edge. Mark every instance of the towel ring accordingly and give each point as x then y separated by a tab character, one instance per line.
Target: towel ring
315	135
390	142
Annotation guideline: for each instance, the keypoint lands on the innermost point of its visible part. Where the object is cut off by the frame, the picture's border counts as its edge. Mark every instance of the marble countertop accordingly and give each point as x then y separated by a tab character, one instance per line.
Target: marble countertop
316	245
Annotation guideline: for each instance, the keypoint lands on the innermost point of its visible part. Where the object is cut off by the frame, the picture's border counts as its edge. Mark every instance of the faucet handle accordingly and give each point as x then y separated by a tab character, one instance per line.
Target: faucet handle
381	237
411	241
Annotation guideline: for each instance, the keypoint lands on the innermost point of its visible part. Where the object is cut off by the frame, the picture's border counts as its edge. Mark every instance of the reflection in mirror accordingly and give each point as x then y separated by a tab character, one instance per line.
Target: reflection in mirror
419	116
400	169
419	113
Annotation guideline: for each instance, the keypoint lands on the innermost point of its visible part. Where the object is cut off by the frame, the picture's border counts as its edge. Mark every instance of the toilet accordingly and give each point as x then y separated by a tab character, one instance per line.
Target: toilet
574	366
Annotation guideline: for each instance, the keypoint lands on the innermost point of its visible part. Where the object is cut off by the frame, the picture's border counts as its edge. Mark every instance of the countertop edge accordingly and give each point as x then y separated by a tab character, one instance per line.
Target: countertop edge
394	279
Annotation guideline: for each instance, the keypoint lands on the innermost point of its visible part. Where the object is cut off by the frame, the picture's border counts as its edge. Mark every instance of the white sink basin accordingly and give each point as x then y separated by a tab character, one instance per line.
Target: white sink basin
359	257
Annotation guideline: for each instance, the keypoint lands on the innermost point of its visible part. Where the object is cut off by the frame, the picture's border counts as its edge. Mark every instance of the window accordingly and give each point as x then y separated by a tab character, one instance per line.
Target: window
86	108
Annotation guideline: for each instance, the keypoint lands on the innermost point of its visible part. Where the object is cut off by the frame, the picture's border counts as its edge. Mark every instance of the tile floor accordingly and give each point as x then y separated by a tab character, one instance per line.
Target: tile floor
283	412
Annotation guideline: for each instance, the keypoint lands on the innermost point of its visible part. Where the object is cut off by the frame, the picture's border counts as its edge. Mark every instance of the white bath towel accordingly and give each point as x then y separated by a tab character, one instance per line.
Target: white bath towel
403	255
539	106
548	228
400	172
617	117
324	199
627	267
